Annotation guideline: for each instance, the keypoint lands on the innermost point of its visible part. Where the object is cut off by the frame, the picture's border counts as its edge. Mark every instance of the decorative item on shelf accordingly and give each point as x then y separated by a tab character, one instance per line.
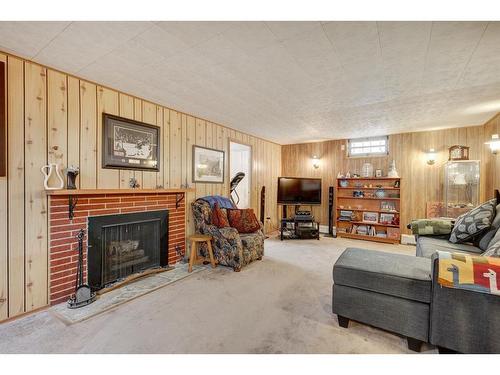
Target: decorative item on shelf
355	175
379	173
53	170
358	184
381	234
395	221
397	183
340	175
344	183
386	218
133	183
494	143
387	206
358	193
393	173
315	162
370	217
393	195
393	233
380	193
431	156
367	170
348	174
458	153
72	172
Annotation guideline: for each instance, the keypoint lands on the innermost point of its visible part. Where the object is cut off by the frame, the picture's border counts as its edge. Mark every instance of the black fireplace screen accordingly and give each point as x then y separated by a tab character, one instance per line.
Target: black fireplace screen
121	245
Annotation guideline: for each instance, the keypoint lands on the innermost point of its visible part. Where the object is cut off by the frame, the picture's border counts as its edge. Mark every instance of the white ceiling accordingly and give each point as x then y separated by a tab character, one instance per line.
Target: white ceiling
286	81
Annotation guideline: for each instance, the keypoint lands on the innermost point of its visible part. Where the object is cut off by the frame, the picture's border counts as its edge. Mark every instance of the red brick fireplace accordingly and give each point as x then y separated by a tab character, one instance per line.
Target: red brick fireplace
63	244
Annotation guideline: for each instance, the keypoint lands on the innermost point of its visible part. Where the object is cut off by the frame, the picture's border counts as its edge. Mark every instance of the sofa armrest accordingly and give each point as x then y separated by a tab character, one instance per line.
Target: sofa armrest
431	227
464	318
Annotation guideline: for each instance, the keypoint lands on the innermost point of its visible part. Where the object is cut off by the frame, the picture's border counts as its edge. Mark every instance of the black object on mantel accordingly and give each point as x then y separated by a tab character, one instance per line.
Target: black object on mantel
83	294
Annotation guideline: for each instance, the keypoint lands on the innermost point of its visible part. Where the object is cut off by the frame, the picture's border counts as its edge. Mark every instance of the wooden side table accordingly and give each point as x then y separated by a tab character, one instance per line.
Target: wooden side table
193	257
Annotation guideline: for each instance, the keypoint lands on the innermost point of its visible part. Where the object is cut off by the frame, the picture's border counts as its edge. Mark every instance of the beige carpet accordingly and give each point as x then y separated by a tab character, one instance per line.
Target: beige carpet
281	304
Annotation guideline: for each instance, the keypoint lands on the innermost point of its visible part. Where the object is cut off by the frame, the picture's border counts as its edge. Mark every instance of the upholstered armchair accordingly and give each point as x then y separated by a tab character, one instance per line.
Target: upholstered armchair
230	248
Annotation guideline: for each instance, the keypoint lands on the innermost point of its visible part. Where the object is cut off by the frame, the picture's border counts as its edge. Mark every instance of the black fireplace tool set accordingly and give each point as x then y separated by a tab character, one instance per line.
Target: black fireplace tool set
83	294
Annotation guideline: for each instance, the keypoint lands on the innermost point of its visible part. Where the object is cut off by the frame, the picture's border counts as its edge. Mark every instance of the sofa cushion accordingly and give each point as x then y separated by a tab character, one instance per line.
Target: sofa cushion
398	275
243	220
493	249
474	222
219	217
426	246
486	238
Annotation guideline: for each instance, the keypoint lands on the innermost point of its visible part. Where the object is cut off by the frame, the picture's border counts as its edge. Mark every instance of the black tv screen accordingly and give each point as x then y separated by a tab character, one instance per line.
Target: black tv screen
293	190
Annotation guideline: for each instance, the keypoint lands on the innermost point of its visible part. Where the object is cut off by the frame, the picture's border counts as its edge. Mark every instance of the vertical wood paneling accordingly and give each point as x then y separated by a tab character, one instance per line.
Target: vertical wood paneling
36	266
16	225
175	149
149	117
159	123
4	303
88	135
57	112
138	117
57	118
107	102
74	124
200	141
420	182
166	147
127	111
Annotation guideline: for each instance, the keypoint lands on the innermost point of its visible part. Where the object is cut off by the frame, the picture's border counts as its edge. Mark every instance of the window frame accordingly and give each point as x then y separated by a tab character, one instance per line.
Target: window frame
384	138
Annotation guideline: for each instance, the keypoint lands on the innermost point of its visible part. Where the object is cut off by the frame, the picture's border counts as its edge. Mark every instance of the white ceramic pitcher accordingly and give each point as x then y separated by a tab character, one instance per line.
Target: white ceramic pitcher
48	171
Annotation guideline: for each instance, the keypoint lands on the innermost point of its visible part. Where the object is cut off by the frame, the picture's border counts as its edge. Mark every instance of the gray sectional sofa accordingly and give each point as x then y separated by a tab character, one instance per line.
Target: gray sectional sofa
401	294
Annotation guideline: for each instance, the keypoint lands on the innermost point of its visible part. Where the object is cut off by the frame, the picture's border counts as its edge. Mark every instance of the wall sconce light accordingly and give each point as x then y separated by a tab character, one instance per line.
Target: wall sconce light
315	161
494	143
431	156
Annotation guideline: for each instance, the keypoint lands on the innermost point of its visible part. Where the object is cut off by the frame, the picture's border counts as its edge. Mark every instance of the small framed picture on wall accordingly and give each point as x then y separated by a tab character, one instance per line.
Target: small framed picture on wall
208	165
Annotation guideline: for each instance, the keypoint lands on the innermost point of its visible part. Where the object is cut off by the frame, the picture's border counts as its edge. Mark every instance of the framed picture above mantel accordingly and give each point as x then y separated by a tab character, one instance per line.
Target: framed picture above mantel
129	144
208	165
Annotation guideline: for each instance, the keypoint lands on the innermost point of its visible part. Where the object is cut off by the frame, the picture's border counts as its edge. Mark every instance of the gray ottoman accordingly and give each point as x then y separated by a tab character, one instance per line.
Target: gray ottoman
388	291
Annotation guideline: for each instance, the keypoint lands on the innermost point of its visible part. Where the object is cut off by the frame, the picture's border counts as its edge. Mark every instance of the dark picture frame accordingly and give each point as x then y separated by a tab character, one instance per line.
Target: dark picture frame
208	165
129	144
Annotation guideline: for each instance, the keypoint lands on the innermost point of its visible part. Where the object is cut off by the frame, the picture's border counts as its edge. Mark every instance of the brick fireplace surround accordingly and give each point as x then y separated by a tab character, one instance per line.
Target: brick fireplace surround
63	245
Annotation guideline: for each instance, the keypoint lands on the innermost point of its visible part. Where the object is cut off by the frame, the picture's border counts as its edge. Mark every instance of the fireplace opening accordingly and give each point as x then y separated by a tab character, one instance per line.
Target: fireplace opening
124	244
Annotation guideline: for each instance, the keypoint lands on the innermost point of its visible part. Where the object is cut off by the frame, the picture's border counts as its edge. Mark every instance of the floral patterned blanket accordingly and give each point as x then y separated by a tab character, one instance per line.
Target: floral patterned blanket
475	273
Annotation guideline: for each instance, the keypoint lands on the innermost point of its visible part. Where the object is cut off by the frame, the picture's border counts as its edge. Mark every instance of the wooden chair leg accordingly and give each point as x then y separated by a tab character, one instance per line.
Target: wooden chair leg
192	256
211	253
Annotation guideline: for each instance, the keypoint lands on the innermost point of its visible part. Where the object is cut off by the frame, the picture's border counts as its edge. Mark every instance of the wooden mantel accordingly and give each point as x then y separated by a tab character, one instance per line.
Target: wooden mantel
66	192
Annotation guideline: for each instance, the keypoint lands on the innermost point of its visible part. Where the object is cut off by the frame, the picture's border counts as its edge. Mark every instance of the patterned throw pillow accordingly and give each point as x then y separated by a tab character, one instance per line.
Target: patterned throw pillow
493	249
473	222
219	217
243	220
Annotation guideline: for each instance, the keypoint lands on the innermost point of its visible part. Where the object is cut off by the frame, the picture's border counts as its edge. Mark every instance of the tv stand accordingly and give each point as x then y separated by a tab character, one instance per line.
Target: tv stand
301	227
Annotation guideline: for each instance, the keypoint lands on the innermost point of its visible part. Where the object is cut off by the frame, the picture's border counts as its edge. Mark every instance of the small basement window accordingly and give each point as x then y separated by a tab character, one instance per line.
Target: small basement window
371	146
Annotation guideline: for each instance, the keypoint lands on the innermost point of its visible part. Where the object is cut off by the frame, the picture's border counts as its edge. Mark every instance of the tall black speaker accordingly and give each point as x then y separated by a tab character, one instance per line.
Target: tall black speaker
330	211
262	204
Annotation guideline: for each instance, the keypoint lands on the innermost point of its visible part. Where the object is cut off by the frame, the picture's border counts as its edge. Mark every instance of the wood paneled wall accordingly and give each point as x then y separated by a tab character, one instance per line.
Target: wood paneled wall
492	161
55	117
420	182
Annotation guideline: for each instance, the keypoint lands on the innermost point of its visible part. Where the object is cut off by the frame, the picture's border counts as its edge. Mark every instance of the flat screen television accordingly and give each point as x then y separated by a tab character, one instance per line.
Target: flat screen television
294	190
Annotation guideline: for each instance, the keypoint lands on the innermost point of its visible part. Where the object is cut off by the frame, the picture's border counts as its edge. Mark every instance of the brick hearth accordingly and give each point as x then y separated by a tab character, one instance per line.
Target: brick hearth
63	245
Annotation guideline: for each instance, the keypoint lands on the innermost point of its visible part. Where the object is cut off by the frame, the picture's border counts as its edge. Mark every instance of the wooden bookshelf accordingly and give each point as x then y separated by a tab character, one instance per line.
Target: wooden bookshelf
370	201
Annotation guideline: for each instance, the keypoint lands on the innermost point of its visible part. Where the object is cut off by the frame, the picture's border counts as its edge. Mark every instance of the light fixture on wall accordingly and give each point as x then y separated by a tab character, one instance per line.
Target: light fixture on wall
315	162
431	156
494	143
